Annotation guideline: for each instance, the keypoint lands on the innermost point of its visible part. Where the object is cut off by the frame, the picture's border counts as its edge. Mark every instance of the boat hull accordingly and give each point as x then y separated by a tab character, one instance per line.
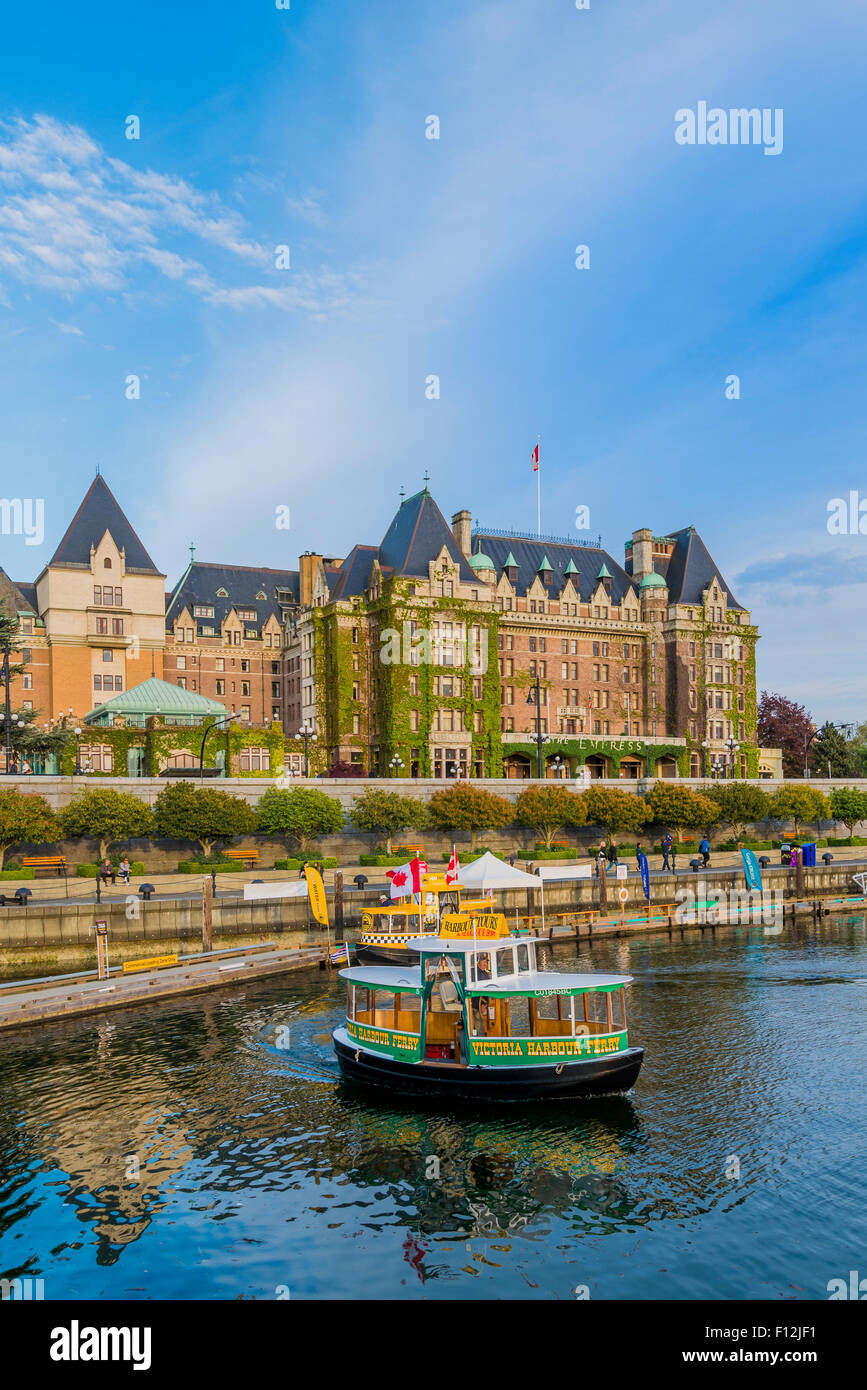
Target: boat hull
596	1076
385	955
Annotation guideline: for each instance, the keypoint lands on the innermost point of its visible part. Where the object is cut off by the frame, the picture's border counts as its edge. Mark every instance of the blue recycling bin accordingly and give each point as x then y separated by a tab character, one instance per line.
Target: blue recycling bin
808	856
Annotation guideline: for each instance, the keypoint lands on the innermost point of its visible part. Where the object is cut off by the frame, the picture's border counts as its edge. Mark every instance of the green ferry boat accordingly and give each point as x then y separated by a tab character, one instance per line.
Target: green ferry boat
476	1019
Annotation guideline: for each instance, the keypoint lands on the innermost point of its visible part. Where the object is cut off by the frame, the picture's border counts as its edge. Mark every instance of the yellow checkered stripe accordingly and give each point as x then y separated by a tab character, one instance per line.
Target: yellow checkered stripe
387	939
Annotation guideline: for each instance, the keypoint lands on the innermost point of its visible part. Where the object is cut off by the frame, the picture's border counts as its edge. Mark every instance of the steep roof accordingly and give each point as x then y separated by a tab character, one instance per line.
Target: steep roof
416	536
12	595
242	584
690	568
353	576
529	554
100	512
153	696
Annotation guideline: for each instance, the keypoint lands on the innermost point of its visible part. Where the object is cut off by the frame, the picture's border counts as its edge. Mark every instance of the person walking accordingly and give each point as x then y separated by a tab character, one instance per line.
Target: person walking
704	851
667	851
612	854
302	872
638	853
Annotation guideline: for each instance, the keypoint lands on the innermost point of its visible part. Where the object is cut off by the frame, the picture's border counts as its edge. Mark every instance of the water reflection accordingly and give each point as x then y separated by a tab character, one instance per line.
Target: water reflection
208	1148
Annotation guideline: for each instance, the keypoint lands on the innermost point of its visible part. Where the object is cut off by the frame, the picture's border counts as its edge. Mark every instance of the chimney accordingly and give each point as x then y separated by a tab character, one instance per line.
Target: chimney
308	564
642	554
461	528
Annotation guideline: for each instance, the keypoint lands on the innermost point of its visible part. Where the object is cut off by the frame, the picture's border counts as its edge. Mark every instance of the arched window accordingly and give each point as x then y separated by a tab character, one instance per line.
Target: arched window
106	563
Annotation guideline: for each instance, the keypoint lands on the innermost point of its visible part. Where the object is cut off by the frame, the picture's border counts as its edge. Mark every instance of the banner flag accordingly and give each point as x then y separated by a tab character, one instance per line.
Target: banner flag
407	879
316	894
645	874
752	870
534	459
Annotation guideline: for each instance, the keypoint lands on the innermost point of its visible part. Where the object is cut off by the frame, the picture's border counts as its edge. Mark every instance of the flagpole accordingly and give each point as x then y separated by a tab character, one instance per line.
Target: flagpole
539	485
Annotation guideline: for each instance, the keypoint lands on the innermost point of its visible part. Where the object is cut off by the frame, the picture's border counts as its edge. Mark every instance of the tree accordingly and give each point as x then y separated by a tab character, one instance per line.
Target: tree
387	813
679	807
107	815
201	814
739	805
465	807
25	819
301	814
849	807
830	747
783	724
548	809
858	751
614	810
799	805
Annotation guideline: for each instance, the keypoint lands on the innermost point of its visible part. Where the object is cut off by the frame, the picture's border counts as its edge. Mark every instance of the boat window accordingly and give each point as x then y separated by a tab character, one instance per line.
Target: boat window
522	958
519	1017
361	1004
618	1009
548	1007
408	1016
591	1013
481	967
384	1008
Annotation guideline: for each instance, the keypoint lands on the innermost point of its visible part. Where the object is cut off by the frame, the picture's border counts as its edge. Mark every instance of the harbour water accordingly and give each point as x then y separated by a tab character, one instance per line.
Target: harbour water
205	1148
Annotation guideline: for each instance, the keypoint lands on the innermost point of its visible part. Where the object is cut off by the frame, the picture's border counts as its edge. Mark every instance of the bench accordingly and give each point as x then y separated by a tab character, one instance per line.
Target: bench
247	856
51	862
414	849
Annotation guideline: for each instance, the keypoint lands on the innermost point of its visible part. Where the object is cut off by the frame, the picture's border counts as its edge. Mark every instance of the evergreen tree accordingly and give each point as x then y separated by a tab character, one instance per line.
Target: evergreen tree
830	748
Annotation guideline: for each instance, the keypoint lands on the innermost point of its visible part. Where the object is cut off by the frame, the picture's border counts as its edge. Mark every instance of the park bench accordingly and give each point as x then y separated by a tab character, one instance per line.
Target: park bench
413	849
52	862
247	856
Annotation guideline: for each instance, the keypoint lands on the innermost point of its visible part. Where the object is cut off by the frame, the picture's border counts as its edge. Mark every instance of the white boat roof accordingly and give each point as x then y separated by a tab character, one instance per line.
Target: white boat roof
388	976
556	981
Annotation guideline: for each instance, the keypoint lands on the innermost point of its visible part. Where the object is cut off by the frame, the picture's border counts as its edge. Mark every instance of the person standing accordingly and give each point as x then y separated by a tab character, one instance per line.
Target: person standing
612	854
704	851
667	850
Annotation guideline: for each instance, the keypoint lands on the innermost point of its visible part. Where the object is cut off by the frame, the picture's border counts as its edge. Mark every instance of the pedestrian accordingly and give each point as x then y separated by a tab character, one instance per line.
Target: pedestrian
302	872
704	851
107	872
612	854
123	870
600	859
667	850
638	853
13	767
26	768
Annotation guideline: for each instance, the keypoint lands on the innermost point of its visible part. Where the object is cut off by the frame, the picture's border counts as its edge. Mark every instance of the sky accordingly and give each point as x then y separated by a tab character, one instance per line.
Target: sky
299	377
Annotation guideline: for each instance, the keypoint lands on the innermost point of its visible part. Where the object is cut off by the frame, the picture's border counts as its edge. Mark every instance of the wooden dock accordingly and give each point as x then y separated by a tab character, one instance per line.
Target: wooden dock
23	1003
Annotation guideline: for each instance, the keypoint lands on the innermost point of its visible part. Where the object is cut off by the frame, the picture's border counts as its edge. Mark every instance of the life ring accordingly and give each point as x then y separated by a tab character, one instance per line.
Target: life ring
623	894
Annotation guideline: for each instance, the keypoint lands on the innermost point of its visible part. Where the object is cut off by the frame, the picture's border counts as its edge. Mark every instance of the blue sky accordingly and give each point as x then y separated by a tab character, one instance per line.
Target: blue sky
263	387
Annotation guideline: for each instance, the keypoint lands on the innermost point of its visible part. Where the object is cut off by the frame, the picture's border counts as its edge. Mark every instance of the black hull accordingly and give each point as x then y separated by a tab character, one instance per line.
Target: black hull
595	1077
386	955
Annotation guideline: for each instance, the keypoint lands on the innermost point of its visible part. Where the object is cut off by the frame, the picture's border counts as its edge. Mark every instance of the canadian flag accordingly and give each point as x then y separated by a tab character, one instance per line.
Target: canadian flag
407	879
534	459
453	868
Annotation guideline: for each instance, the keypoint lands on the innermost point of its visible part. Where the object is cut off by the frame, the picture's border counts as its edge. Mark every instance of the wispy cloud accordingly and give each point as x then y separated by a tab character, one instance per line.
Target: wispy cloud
75	220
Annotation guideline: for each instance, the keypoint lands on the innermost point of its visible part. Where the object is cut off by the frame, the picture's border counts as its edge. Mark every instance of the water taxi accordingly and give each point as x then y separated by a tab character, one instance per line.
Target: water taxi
391	934
477	1019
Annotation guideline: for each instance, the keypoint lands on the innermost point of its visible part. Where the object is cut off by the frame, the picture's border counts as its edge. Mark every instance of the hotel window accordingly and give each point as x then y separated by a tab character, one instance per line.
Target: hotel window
182	682
255	760
413	720
27	682
596	611
203	610
741	730
102	626
356	691
564	670
510	695
532	644
245	665
596	670
635	675
275	668
532	605
118	682
220	664
97	682
477	688
179	634
413	685
26	704
26	624
245	687
182	663
532	668
275	711
604	672
564	645
626	674
543	669
99	756
692	649
542	644
108	655
247	615
117	627
221	687
205	632
275	690
574	670
245	713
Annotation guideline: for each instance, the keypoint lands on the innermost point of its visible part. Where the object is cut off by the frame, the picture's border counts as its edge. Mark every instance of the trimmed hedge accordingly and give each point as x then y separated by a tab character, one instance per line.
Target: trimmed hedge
382	861
853	840
204	866
136	869
297	863
17	873
472	855
547	854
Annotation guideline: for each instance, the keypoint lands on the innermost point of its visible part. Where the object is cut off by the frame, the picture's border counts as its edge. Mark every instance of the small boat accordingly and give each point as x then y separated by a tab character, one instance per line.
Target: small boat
476	1019
390	934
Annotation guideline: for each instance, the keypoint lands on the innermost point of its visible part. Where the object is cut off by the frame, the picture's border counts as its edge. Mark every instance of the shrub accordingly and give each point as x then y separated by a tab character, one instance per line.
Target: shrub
17	873
301	815
320	864
25	819
549	809
201	814
463	806
388	813
107	815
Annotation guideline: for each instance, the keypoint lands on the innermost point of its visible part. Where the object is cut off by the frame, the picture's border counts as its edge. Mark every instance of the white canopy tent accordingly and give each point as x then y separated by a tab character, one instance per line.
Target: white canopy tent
489	873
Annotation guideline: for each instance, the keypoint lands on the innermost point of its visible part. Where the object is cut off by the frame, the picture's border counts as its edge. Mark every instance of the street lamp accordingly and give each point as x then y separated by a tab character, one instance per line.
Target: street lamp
706	746
534	697
395	765
224	721
733	746
77	753
557	765
7	727
307	732
717	767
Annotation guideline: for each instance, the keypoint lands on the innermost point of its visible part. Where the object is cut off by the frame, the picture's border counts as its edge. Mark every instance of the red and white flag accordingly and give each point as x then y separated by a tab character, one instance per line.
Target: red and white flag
453	867
534	459
407	879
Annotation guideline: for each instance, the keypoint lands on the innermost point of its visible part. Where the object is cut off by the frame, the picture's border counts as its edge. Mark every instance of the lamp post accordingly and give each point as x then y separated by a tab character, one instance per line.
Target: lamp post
717	768
535	698
307	732
733	746
7	726
706	746
224	721
558	765
77	771
395	765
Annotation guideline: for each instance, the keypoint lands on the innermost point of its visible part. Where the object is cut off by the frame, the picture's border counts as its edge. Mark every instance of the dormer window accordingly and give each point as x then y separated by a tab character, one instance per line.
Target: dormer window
106	564
222	593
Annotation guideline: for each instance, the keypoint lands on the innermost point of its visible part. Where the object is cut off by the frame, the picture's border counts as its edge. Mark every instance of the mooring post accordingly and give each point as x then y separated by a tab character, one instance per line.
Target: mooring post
207	913
338	900
603	888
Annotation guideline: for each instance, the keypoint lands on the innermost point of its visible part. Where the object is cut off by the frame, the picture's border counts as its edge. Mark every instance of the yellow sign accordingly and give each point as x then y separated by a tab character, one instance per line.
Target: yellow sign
484	927
316	894
153	964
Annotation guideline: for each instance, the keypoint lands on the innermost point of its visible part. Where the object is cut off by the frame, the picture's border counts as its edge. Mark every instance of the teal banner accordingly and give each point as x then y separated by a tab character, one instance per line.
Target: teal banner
752	871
